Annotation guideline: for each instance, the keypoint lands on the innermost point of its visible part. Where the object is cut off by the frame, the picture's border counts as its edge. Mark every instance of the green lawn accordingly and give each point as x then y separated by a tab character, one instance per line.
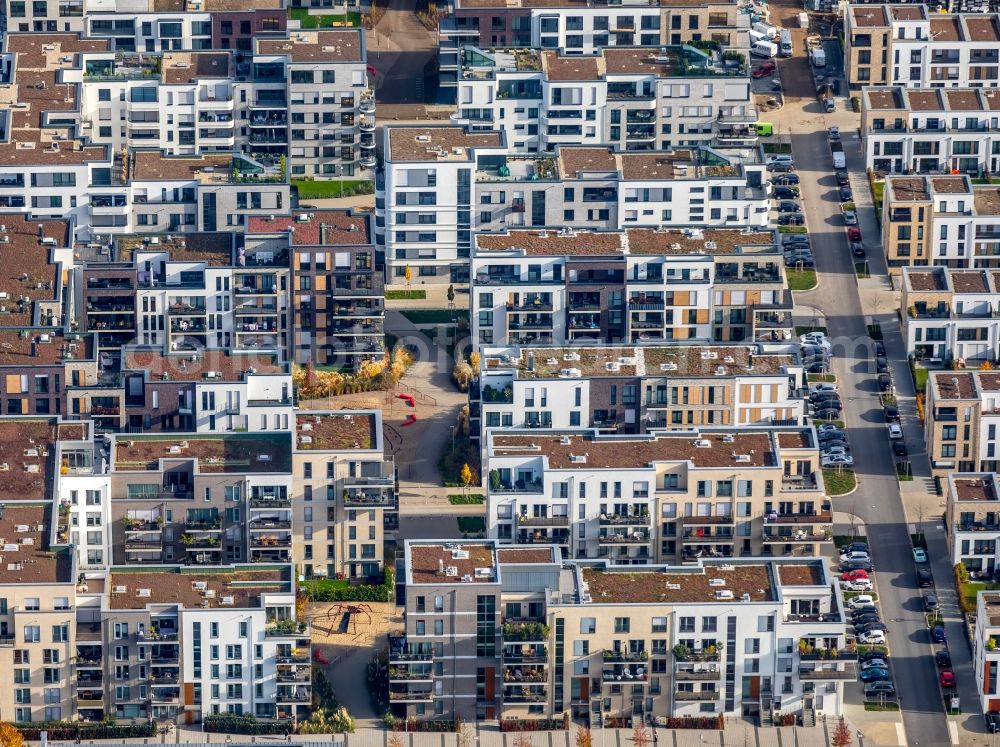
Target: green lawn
778	148
878	188
435	316
919	377
310	189
792	229
887	706
405	294
968	592
821	378
839	483
471	524
993	180
801	280
460	499
351	18
904	472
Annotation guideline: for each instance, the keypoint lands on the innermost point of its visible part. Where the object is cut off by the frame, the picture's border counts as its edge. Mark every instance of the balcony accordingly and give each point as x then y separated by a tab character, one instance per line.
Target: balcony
849	672
622	656
406	696
369	498
705	521
293	694
294	675
691	674
411	673
526	632
625	673
710	534
402	652
543	521
683	653
634	538
697	695
624	519
524	653
525	675
270	503
270	522
203	525
526	693
801	535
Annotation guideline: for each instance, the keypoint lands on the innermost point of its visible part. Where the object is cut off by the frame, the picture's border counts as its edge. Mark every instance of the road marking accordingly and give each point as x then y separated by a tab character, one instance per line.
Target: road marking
900	732
953	730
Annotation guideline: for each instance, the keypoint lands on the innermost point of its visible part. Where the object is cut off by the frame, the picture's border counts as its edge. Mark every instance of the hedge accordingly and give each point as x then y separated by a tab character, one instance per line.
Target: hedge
543	724
322	590
228	723
68	731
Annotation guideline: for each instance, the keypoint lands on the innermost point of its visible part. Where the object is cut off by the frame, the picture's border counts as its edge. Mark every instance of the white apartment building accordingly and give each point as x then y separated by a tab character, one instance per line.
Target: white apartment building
628	98
908	45
477	187
635	286
931	130
951	315
943	221
665	497
986	650
637	389
972	520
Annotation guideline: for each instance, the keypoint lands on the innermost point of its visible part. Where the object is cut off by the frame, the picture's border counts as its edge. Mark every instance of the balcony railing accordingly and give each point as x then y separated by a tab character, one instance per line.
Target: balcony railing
543	521
699	695
625	519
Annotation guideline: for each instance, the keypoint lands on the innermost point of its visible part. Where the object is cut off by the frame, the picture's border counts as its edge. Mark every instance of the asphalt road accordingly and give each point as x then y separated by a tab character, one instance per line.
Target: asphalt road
877	501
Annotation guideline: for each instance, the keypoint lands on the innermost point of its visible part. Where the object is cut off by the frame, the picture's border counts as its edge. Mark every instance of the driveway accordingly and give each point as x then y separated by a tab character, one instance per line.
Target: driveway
400	48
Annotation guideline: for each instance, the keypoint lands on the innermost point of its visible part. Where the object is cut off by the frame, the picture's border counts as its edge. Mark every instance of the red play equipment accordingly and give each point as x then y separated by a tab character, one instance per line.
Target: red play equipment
319	658
408	398
410	419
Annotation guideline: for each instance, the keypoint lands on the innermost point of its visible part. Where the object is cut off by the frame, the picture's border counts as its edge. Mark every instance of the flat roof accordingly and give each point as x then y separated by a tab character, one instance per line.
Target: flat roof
925	99
317	46
214	248
572	67
868	16
427	559
528	555
925	279
28	271
179	68
229	453
23	347
421	144
27	450
974	489
635	241
679	586
574	161
669	361
323	227
969	281
879	99
907	188
953	384
806	574
31	562
181	367
900	98
153	165
336	431
178	586
945	29
586	451
953	185
986	199
907	12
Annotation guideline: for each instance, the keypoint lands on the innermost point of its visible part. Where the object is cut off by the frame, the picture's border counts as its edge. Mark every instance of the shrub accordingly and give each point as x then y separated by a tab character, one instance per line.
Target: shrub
323	590
229	723
69	731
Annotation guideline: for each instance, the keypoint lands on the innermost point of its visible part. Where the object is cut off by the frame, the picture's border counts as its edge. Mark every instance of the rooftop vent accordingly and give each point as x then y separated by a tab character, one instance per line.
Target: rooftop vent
668	366
578	458
119	590
199	585
703	443
143	592
459	554
716	582
724	594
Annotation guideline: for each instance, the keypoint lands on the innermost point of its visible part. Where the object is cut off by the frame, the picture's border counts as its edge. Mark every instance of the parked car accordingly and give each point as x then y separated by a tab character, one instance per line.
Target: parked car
866	619
857	249
786	179
794	238
800	260
834	133
820	395
872	638
854	233
815	338
826	428
938	635
850	218
845	194
860	630
855	555
856	547
837	460
856	565
843	180
837	444
930	603
780	168
874	673
876	662
786	193
854	576
763	70
857	584
919	555
792	219
891	413
881	364
899	448
786	206
861	600
827	413
833	434
943	658
816	367
813	350
882	687
866	656
924	578
825	386
992	721
895	432
947	678
879	349
884	382
782	159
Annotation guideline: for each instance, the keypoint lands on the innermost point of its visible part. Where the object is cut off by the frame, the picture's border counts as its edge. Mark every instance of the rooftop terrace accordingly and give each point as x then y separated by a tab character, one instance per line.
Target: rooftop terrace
347	431
680	586
232	453
181	587
27	558
431	562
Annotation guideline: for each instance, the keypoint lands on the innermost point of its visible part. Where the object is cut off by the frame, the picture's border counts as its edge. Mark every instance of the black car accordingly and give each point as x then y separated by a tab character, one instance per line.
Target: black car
856	565
845	194
869	655
924	578
836	443
866	609
812	350
857	249
792	219
794	238
854	547
786	206
832	435
891	414
861	621
780	168
827	414
879	349
943	659
786	193
884	382
899	448
881	364
800	263
843	179
786	179
992	721
818	395
930	603
869	627
816	367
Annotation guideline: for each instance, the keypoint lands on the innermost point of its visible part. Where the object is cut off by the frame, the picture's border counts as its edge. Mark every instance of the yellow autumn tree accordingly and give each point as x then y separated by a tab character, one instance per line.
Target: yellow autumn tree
10	737
475	360
466	476
408	274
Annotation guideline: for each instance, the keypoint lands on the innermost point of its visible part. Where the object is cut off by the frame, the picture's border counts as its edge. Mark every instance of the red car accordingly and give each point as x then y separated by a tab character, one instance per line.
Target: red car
767	68
947	678
853	575
854	234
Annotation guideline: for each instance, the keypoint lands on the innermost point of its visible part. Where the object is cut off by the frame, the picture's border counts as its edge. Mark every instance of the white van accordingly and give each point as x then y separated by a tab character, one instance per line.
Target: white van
766	29
756	36
764	49
785	43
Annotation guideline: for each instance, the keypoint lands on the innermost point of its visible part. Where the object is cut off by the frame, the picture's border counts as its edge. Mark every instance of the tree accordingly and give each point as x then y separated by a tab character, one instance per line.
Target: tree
842	736
408	274
475	360
584	738
466	476
451	294
395	740
641	736
464	736
10	737
522	740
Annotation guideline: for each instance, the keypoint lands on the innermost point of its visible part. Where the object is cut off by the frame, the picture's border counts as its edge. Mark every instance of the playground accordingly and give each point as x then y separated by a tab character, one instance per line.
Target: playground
345	636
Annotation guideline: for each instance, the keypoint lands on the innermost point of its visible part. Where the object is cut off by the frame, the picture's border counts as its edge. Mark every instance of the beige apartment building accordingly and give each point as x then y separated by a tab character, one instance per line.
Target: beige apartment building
659	498
345	493
614	646
963	411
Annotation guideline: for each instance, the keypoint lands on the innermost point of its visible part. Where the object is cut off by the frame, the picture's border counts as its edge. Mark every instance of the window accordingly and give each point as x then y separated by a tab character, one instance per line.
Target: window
32	633
588	625
622	624
687	624
659	625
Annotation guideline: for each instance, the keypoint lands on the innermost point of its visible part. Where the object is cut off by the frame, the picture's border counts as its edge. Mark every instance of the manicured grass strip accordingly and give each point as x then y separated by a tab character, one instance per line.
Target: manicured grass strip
839	482
471	524
801	280
311	189
409	295
459	499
